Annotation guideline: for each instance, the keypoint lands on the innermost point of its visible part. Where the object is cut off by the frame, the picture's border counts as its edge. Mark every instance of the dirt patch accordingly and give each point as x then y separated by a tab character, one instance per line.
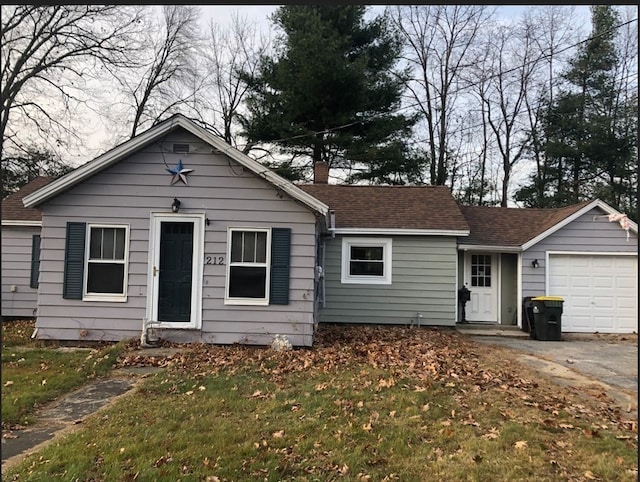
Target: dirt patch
630	338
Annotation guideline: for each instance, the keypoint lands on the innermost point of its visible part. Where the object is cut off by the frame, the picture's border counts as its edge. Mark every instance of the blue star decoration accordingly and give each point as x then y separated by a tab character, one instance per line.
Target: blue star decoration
179	173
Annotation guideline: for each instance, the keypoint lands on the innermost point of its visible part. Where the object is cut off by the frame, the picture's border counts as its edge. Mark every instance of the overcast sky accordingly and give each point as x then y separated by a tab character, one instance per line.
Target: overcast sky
260	13
96	138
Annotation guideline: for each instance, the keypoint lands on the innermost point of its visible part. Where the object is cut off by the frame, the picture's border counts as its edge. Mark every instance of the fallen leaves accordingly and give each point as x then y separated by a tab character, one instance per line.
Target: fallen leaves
520	445
425	355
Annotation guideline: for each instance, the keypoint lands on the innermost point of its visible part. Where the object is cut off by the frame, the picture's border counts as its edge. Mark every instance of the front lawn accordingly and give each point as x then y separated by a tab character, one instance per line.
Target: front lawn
364	404
33	374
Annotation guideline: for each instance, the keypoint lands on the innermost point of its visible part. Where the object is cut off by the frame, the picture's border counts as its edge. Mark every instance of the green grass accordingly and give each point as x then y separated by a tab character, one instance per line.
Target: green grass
33	374
344	411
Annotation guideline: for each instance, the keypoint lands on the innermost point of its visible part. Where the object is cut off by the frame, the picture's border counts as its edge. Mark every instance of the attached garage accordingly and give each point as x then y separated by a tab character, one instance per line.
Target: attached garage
600	291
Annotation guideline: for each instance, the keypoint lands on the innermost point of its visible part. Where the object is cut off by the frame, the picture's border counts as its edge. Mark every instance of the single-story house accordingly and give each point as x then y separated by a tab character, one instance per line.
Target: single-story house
21	252
174	234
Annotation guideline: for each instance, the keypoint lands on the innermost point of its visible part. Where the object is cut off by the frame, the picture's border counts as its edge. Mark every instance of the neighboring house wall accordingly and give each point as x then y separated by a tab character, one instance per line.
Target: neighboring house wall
228	195
19	299
423	281
508	288
584	234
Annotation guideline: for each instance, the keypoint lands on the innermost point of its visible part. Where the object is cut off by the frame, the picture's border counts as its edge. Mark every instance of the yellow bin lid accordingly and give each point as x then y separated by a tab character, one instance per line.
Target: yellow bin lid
548	298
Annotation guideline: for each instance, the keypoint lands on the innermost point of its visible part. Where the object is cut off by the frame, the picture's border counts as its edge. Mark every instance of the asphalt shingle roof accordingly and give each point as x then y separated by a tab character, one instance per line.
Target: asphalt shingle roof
497	226
14	210
390	207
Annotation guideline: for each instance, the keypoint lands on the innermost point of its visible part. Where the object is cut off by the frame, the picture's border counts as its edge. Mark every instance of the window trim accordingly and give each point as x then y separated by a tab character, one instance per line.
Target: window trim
113	297
387	246
267	265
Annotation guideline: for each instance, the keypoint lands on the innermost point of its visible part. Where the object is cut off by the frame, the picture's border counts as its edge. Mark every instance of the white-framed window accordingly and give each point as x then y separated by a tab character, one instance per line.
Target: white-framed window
366	260
249	253
106	262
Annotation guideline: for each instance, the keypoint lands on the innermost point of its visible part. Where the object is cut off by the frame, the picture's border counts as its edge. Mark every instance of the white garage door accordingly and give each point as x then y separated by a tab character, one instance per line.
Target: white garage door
599	291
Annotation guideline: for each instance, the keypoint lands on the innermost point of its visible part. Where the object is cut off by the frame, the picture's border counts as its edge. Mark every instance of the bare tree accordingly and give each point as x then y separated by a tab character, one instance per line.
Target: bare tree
162	85
231	50
514	63
48	52
439	40
554	32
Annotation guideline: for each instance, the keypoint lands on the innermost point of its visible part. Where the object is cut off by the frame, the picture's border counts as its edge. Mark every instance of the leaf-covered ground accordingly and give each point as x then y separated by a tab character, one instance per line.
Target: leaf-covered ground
365	403
427	355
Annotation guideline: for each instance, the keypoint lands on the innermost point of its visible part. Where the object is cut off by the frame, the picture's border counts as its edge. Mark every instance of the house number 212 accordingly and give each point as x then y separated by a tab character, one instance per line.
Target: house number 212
214	260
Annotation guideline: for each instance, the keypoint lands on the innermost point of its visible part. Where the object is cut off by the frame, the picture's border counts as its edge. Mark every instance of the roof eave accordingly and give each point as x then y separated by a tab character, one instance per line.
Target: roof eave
402	232
129	147
17	222
488	247
96	165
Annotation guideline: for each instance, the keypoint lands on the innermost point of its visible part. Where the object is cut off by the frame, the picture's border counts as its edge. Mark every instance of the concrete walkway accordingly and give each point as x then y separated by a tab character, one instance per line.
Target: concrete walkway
68	412
63	414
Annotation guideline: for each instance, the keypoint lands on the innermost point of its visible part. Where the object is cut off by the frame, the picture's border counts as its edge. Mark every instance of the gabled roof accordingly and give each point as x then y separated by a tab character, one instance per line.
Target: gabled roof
155	133
523	227
13	210
402	209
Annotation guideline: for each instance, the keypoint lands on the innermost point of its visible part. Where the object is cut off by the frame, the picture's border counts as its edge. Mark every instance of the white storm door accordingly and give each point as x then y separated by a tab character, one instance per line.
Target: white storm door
175	270
481	277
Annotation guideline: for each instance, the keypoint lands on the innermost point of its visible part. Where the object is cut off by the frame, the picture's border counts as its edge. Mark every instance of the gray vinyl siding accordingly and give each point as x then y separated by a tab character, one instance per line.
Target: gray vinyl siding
585	234
16	271
423	281
230	196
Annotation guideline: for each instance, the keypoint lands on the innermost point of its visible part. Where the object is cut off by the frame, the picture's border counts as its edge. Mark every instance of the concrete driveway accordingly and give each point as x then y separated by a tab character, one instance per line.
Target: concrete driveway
608	361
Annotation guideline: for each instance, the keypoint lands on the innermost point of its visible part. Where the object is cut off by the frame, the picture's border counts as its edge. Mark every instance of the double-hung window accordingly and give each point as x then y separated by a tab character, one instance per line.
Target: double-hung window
248	267
106	263
366	260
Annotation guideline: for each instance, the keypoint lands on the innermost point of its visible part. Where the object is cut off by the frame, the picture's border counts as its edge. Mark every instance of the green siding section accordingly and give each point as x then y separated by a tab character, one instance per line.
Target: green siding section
423	281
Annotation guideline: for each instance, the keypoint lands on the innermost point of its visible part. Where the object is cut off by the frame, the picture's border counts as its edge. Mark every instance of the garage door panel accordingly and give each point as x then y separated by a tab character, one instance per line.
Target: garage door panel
625	283
603	282
627	324
579	282
604	302
600	292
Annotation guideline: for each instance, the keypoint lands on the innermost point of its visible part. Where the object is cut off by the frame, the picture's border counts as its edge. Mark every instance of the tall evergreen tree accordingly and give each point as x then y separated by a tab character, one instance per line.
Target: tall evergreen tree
589	131
330	93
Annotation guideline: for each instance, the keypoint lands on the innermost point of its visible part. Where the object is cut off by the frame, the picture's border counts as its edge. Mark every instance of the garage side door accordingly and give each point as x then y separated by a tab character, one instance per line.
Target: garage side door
600	292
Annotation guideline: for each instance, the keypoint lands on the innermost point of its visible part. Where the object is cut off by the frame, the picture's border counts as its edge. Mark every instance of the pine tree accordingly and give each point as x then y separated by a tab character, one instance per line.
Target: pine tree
330	94
588	134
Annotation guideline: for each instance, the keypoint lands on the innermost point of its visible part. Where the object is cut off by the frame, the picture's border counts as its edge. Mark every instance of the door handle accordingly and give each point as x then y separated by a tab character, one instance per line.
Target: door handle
155	271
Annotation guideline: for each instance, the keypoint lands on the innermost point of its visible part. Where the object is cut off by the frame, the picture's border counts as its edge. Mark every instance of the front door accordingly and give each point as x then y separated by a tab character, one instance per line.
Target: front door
175	272
481	277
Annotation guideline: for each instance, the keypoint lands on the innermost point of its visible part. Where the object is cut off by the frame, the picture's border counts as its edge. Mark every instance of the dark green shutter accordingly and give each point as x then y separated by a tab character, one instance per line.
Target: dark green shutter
280	254
74	261
35	260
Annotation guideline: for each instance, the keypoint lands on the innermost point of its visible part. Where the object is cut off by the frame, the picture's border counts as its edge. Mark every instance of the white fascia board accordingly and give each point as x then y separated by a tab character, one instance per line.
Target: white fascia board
595	203
480	247
96	165
13	222
401	232
131	146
